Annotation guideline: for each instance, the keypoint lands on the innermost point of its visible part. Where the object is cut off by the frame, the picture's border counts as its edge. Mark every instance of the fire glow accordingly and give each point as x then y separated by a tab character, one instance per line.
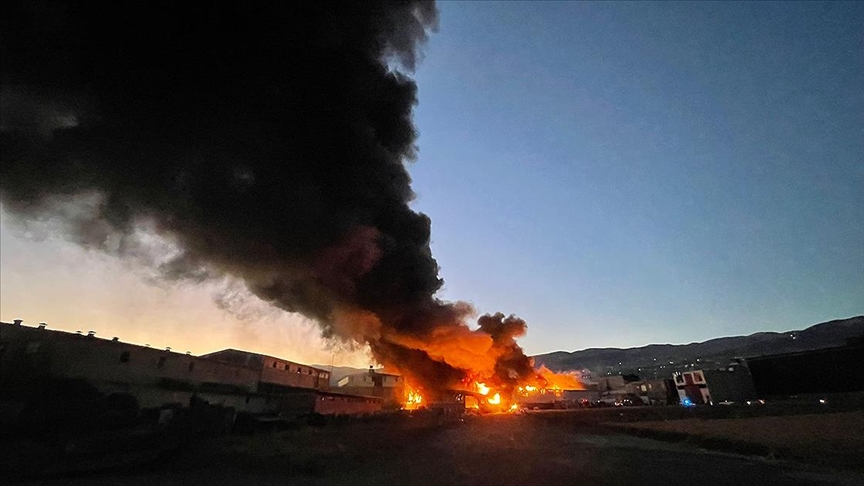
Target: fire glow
482	397
319	222
413	399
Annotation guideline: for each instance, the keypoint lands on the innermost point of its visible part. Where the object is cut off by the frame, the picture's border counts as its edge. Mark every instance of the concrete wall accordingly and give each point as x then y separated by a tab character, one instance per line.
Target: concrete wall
392	397
390	388
158	377
367	380
287	373
337	404
831	370
33	352
651	392
276	370
730	386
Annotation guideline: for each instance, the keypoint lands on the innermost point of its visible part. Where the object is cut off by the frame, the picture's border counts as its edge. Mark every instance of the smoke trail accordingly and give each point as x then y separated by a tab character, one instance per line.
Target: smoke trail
266	144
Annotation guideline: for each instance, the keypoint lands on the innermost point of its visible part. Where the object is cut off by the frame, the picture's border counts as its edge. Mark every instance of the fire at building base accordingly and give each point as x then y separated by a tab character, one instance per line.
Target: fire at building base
47	375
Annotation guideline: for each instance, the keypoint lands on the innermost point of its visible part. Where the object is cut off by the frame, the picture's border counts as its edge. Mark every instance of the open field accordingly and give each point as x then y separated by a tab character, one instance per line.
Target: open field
832	439
536	448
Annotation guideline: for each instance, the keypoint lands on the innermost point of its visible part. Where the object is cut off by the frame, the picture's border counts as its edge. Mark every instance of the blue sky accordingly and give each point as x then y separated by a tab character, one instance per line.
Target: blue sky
615	173
626	173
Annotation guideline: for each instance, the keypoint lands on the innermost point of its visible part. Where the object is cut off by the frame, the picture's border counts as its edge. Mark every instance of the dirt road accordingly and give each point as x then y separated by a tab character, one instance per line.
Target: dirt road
491	450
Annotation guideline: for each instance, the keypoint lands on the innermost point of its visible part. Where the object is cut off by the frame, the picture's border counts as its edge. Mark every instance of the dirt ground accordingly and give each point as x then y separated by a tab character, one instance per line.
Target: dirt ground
836	439
551	449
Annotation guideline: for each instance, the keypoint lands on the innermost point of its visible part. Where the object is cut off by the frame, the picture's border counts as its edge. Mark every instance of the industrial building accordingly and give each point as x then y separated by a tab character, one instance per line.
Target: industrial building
35	361
653	392
821	371
274	373
732	384
386	386
692	387
728	385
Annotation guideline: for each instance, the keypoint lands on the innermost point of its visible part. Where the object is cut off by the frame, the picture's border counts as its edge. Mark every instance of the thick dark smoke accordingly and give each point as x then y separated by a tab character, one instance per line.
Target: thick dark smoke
267	142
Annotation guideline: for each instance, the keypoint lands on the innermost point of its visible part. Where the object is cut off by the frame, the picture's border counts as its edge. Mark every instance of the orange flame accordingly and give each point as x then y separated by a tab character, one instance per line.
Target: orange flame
413	398
559	381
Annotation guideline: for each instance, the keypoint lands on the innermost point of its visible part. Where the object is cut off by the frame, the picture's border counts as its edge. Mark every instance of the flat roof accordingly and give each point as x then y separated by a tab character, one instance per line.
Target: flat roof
215	355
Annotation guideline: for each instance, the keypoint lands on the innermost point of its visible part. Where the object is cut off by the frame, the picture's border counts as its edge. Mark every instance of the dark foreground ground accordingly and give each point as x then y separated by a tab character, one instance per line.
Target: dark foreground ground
539	448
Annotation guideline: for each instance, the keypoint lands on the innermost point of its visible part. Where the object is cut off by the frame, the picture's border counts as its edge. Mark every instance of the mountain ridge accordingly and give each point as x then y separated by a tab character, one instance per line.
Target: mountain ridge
821	335
642	359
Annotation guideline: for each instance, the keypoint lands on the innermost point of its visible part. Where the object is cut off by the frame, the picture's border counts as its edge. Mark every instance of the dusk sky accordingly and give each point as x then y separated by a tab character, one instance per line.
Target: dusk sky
617	174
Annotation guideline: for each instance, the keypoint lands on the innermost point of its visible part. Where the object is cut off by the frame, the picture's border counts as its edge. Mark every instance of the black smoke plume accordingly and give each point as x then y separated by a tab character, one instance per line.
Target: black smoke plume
267	141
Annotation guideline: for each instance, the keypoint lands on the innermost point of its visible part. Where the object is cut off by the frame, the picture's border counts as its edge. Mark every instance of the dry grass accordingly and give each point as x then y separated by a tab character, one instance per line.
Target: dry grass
836	439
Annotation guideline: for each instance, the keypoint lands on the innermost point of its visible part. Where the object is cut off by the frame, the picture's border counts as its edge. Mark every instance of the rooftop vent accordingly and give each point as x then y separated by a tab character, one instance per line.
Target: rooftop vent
78	332
91	333
115	339
18	322
168	349
42	325
188	353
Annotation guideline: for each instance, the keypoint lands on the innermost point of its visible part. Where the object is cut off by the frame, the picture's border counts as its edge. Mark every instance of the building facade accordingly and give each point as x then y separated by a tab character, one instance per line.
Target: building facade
388	387
692	387
273	371
39	365
829	370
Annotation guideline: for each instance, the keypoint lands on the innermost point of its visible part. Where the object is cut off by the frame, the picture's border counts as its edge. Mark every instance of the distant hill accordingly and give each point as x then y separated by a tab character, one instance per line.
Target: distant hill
824	335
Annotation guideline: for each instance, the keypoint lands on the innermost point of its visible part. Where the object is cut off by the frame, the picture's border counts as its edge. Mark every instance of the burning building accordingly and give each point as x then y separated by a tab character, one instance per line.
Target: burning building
265	146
